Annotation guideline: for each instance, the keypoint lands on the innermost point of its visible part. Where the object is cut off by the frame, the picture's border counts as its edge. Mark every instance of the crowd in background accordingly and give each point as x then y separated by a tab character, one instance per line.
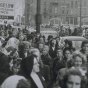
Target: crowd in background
29	60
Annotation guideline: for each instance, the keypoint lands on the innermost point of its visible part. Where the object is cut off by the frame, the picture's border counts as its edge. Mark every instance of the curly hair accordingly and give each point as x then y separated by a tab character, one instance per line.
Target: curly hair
79	55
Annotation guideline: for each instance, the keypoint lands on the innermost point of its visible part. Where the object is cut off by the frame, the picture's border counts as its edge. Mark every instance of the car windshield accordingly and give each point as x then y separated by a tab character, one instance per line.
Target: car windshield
77	44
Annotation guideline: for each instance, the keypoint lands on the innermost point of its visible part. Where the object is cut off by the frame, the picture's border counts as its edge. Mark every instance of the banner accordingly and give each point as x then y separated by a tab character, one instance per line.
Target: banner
7	10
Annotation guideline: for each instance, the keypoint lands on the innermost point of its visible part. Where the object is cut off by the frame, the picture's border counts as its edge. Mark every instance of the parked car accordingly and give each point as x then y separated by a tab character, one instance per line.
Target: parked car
76	40
31	29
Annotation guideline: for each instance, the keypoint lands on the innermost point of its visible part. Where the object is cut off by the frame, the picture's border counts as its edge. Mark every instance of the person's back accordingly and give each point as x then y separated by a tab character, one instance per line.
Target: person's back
16	82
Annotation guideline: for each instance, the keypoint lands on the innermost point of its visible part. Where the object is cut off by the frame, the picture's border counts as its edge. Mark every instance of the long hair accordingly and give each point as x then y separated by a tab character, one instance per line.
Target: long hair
74	72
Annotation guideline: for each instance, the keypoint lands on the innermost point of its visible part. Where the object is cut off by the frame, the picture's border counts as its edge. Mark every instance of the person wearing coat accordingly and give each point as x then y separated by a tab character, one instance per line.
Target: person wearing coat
30	69
52	49
4	67
16	81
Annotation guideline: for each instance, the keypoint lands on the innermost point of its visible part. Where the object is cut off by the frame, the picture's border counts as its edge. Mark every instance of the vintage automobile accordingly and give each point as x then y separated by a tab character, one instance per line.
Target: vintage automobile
76	40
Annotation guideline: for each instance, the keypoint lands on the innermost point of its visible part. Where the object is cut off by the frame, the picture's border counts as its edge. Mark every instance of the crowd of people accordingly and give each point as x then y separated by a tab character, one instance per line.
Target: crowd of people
29	60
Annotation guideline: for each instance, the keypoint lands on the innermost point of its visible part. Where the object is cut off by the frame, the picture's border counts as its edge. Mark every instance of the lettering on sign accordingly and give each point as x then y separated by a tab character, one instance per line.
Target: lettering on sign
5	5
7	9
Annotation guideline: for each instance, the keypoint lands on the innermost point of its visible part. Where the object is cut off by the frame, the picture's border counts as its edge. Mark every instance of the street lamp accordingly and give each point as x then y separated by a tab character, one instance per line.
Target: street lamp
80	12
38	16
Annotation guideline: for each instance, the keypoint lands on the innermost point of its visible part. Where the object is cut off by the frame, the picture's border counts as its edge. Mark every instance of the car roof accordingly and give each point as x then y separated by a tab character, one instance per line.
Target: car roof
74	38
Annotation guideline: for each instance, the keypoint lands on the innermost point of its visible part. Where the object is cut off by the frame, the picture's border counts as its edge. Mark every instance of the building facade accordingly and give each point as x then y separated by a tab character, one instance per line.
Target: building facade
67	10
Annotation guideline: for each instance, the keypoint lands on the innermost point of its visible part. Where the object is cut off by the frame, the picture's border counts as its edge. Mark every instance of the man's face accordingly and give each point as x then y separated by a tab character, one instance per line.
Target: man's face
54	42
74	81
41	40
44	52
59	53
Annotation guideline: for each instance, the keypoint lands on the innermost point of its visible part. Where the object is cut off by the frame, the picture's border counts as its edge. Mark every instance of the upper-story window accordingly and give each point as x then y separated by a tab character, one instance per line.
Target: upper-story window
72	4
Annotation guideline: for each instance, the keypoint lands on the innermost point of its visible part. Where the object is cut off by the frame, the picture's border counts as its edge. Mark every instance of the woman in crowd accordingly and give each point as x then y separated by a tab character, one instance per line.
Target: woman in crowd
44	69
24	49
72	79
59	57
80	64
4	50
63	62
84	49
62	72
30	69
16	82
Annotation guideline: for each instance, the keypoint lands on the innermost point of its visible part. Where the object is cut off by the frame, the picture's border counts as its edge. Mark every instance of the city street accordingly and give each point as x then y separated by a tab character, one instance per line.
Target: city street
43	43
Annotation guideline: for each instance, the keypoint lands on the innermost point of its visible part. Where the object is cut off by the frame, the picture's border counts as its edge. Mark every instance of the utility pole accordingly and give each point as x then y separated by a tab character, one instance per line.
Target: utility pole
80	13
38	16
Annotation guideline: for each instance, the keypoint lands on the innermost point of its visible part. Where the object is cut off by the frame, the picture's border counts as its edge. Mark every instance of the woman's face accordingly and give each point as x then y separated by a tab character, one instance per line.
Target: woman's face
74	81
66	45
36	66
68	54
85	47
40	46
78	61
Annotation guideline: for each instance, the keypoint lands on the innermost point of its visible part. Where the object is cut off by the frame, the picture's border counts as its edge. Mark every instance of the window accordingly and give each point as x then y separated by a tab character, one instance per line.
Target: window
68	5
71	20
72	4
50	9
56	10
44	10
75	21
44	4
67	20
85	3
50	17
76	4
62	11
67	11
84	11
44	16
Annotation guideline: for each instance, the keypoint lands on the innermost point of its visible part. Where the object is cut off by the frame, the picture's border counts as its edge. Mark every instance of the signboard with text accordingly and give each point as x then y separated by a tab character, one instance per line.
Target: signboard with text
7	10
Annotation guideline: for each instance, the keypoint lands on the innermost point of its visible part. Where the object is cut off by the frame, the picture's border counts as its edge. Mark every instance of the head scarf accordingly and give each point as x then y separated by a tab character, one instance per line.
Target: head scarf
12	81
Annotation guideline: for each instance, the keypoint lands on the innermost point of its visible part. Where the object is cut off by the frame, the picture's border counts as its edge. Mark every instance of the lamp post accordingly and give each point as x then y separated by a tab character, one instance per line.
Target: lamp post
80	12
38	16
